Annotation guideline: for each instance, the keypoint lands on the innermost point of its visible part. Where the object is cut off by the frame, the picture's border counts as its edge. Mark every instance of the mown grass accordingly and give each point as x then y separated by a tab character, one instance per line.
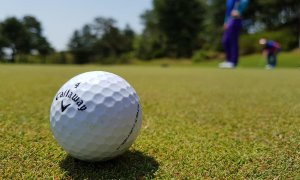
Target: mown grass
198	123
284	59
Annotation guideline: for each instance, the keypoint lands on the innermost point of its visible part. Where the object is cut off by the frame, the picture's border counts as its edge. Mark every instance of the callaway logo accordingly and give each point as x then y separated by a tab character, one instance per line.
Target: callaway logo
72	96
63	108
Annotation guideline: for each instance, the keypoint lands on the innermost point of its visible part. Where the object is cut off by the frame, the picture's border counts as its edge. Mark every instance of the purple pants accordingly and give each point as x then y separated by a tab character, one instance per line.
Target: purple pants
231	40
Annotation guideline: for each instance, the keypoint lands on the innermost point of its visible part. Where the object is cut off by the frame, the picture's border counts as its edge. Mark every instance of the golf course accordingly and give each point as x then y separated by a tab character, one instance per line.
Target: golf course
197	89
198	123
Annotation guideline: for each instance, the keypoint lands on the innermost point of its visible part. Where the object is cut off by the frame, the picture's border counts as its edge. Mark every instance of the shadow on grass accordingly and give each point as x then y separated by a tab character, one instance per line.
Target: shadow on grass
130	165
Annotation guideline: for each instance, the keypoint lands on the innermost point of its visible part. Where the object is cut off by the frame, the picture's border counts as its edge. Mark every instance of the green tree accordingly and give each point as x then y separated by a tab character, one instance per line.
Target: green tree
109	42
81	45
44	48
101	41
14	36
33	28
277	15
3	43
22	37
37	40
181	22
151	44
269	15
172	28
113	44
129	36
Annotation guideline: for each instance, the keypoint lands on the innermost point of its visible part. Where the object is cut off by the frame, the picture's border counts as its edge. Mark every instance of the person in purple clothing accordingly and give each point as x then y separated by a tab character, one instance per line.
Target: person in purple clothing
270	50
232	27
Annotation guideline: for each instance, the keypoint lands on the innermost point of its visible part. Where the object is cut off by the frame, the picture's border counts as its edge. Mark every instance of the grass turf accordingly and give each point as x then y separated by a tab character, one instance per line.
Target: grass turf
284	60
198	122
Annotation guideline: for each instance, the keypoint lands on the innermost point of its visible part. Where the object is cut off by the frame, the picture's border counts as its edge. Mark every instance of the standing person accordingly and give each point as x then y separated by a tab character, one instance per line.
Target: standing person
270	50
232	27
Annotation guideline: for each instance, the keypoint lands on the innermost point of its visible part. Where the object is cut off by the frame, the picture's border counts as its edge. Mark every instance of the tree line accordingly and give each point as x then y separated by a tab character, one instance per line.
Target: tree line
175	29
102	41
22	37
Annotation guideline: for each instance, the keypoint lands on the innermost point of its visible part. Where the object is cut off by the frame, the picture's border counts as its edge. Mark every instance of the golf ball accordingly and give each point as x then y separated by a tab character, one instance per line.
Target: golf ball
96	116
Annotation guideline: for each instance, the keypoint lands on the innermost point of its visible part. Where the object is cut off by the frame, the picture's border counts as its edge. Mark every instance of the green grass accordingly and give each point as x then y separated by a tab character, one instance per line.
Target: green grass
285	60
198	123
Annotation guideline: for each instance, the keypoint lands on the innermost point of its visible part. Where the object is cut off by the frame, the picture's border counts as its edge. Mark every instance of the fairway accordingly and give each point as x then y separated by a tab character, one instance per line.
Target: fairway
197	123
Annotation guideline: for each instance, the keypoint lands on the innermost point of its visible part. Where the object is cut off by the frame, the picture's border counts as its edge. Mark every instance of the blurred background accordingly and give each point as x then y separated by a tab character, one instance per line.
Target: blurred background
123	32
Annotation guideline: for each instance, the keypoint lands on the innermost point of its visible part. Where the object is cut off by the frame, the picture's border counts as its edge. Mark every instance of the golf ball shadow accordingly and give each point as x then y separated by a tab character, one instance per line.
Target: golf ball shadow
130	165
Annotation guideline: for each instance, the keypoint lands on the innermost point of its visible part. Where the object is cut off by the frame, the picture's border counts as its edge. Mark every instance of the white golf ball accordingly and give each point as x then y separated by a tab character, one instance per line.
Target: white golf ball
96	116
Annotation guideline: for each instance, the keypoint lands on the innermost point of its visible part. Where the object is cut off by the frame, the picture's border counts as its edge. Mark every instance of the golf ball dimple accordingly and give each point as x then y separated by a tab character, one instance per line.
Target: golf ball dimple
96	116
